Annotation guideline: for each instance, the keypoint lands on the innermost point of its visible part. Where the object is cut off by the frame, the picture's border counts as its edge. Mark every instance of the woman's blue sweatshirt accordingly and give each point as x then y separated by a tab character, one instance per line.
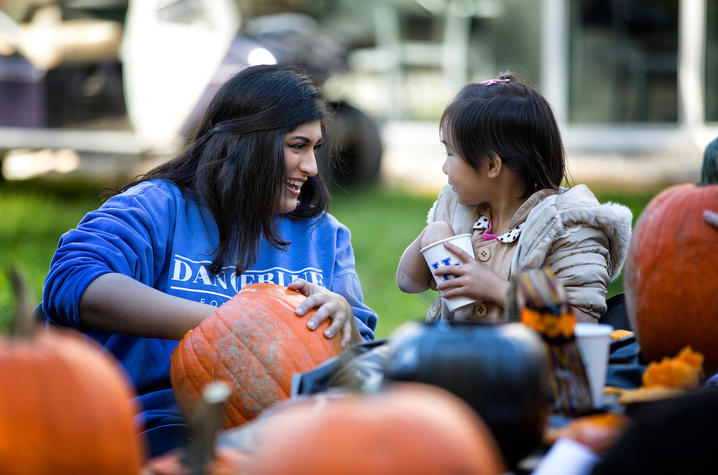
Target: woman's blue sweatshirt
160	237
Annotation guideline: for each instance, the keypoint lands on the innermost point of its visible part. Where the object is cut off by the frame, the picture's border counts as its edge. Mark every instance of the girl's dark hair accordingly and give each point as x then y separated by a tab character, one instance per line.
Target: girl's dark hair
235	163
506	118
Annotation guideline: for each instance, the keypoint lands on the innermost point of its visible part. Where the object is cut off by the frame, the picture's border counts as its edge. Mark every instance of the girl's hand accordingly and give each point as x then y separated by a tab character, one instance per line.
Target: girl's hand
711	218
330	305
473	279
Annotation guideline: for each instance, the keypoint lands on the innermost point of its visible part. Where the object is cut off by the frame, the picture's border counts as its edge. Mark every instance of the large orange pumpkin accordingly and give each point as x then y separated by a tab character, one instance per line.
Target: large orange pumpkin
65	408
256	343
409	428
671	275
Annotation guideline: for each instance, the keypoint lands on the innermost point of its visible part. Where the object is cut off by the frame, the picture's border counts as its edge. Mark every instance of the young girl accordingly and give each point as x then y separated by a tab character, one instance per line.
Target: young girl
505	164
243	203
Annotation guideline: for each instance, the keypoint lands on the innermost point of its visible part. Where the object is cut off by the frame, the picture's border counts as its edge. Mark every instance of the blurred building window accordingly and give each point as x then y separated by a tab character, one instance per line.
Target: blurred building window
419	53
711	62
516	41
624	61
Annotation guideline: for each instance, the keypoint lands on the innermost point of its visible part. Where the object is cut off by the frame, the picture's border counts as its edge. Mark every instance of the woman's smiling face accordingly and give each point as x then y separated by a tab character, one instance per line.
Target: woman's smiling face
300	146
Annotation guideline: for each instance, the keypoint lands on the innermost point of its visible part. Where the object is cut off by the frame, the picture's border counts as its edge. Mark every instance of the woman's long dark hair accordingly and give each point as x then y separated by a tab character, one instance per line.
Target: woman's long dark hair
235	163
510	119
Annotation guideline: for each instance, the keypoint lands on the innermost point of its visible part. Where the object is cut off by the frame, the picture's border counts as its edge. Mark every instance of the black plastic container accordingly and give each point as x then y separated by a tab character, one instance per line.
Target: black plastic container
500	370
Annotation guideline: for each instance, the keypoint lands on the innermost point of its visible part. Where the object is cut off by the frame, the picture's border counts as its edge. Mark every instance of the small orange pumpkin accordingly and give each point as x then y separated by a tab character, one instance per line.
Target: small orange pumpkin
408	428
65	407
255	342
670	275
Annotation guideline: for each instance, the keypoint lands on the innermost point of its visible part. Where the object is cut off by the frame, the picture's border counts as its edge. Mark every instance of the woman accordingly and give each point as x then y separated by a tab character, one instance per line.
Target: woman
243	203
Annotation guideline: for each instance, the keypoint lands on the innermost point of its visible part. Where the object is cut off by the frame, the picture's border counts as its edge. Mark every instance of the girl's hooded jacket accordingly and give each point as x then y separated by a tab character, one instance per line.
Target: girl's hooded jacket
583	241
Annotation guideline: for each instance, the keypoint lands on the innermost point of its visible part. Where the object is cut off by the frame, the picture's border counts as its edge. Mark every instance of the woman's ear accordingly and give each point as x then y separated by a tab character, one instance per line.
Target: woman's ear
494	164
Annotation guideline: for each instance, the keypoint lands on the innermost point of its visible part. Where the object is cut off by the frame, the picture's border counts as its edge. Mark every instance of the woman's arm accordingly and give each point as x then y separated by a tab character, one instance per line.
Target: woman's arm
346	283
119	304
125	243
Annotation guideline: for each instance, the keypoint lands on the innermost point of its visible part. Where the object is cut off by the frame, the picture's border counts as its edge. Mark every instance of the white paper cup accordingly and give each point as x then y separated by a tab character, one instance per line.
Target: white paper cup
567	456
594	340
436	255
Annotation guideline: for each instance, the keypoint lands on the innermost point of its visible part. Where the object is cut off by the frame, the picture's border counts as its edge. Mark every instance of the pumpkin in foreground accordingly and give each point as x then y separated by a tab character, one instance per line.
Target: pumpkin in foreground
670	275
65	408
255	342
408	428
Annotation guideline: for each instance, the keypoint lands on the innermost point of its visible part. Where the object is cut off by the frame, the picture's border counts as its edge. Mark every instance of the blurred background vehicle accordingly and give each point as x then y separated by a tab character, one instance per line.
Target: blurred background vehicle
632	82
126	79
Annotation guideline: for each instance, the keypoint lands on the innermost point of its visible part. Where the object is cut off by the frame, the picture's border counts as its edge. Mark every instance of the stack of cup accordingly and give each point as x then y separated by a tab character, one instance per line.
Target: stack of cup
594	340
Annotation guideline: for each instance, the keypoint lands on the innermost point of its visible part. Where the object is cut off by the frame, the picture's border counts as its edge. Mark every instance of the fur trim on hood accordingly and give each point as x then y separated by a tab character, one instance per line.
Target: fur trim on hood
575	206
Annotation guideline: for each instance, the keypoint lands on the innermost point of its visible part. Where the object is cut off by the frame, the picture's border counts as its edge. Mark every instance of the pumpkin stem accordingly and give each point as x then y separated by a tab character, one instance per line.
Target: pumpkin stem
22	324
709	170
204	422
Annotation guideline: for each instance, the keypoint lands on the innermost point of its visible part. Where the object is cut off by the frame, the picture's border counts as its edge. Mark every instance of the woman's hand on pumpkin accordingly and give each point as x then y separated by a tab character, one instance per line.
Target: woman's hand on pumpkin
473	279
711	217
329	305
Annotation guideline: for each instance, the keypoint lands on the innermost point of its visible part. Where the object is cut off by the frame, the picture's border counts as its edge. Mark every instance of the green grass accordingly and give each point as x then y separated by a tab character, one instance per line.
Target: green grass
383	221
33	216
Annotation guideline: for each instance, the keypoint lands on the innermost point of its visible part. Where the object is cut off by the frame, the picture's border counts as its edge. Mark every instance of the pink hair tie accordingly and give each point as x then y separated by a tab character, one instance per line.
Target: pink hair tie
489	82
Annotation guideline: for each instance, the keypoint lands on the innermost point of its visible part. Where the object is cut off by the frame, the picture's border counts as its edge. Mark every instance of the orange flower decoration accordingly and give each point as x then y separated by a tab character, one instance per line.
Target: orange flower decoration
548	324
596	431
683	371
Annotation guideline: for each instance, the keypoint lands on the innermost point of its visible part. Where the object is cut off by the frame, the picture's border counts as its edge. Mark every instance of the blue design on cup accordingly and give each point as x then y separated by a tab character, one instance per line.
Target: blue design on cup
446	262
